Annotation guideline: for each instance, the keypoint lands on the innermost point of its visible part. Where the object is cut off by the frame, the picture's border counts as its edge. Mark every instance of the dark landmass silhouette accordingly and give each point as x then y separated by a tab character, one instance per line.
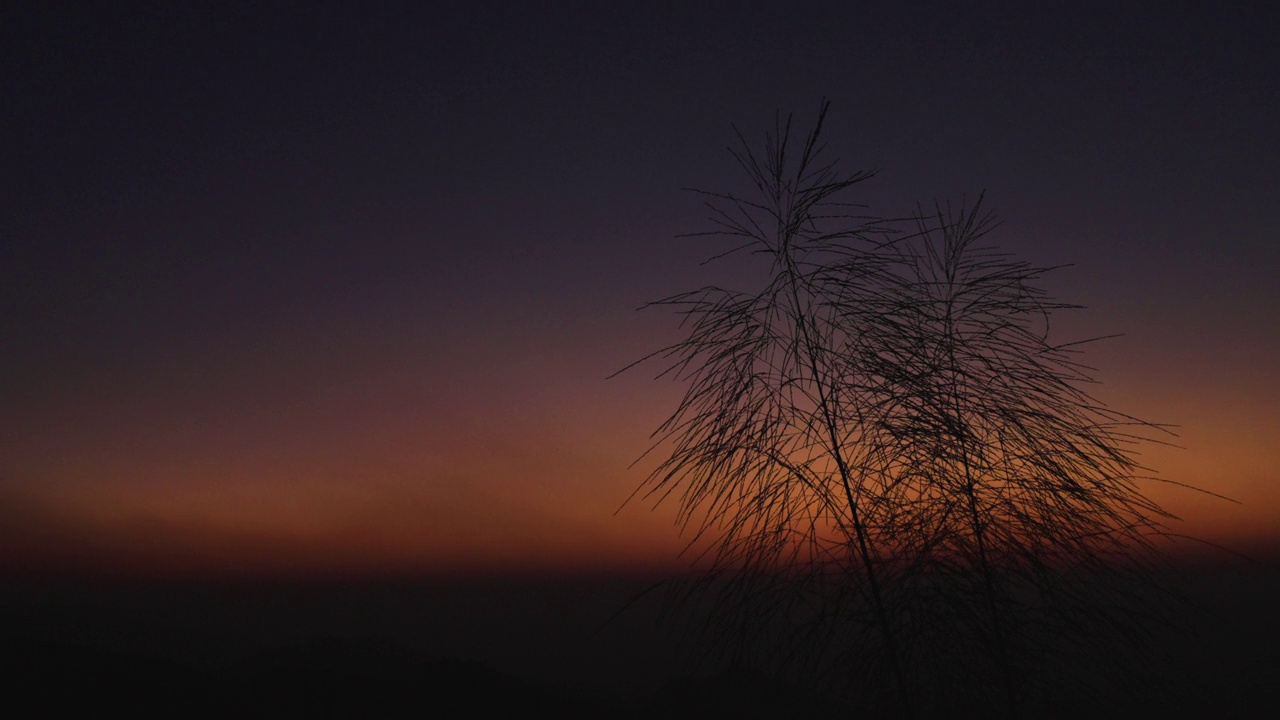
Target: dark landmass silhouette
369	678
495	648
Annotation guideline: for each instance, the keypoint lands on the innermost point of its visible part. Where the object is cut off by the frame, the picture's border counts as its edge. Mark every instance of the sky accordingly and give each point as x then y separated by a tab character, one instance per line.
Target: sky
312	289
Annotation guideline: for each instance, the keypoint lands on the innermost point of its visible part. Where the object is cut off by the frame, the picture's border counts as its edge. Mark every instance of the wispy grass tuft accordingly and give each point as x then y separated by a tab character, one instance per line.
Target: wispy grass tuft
895	476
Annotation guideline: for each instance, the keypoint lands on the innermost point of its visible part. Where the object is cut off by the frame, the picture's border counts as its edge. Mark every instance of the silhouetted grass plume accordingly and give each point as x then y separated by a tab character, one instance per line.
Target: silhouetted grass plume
903	489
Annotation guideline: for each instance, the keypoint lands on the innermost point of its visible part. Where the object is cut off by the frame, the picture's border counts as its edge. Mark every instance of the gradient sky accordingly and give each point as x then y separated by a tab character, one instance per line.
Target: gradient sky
321	290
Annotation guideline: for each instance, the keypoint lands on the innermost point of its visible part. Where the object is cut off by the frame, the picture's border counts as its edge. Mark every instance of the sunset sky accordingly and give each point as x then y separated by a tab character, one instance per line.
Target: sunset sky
309	290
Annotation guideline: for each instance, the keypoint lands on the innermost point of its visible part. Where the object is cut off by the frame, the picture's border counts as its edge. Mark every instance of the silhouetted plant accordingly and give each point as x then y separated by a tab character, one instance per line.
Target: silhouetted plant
899	483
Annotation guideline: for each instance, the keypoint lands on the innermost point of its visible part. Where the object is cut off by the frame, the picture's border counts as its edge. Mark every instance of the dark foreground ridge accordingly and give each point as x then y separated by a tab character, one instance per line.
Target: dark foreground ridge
349	678
511	648
340	678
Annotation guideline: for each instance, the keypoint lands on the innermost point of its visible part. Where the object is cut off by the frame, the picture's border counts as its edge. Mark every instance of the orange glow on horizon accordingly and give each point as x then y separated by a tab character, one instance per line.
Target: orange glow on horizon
410	474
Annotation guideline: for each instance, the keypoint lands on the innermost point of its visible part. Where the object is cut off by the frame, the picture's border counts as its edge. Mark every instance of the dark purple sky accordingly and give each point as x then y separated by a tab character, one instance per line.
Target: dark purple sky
280	281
